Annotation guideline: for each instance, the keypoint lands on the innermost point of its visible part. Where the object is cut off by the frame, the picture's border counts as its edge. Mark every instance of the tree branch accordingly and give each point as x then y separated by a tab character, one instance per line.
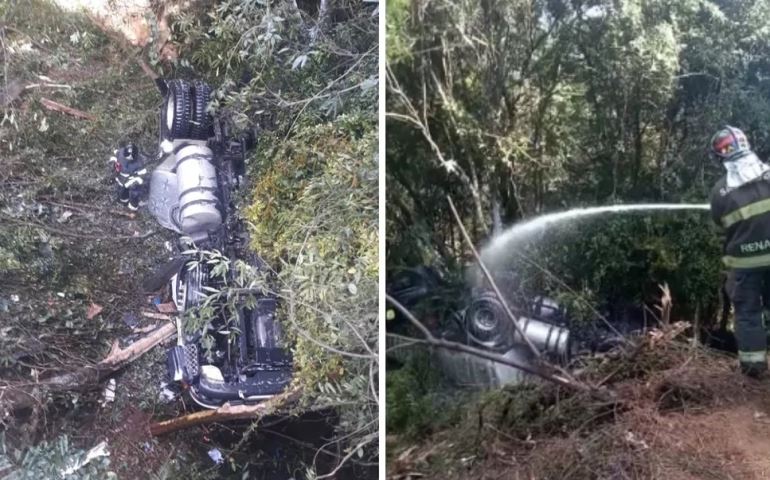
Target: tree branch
492	283
226	412
15	396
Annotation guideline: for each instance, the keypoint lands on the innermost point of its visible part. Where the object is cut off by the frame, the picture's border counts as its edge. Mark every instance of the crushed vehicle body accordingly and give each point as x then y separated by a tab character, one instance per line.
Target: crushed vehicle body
475	316
242	358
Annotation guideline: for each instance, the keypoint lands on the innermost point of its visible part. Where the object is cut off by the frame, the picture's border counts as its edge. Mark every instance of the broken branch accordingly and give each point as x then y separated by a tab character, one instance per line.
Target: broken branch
13	397
225	413
58	107
147	70
492	283
155	316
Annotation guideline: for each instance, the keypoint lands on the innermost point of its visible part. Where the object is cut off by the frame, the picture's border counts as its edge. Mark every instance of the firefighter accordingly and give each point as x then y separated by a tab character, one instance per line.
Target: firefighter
130	174
740	203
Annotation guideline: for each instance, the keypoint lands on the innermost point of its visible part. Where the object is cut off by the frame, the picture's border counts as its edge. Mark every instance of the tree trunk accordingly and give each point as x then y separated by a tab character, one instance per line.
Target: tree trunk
497	222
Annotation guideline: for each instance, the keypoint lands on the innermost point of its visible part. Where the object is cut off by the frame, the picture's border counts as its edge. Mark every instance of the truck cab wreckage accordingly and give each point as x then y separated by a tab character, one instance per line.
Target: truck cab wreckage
476	317
191	193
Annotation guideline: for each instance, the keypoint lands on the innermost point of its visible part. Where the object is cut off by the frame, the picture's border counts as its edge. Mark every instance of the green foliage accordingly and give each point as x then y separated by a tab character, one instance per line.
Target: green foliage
17	249
624	259
418	402
536	409
522	107
59	460
314	213
398	43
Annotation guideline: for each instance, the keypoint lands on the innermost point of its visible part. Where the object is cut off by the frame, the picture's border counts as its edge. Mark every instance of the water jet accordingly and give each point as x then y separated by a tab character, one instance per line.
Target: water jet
519	232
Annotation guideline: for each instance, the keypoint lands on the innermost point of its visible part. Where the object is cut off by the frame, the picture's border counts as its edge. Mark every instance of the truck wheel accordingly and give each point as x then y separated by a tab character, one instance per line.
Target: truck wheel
201	124
177	112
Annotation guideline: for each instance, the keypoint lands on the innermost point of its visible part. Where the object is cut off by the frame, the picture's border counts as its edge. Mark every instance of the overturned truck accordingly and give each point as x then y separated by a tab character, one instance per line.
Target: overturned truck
477	317
191	193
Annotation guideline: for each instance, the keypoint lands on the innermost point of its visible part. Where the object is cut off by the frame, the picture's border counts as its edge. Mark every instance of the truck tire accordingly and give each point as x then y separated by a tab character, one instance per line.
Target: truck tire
201	128
176	115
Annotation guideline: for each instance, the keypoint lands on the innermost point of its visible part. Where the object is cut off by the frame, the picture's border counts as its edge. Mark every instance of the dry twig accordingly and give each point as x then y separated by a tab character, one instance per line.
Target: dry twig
58	107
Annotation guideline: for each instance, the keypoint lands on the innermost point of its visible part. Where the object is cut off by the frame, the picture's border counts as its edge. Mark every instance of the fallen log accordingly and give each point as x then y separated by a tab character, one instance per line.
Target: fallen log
58	107
17	396
225	413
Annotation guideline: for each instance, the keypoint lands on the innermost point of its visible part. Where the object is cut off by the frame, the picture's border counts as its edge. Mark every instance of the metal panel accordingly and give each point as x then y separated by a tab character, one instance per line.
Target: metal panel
197	184
163	202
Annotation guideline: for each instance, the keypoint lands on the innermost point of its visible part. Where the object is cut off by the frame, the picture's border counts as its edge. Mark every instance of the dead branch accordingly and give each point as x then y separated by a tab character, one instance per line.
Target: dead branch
14	397
58	107
492	283
664	307
155	316
225	413
47	85
66	233
366	441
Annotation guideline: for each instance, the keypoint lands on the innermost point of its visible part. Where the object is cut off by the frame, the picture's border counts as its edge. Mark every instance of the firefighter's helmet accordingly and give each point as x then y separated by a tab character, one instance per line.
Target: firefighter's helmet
728	143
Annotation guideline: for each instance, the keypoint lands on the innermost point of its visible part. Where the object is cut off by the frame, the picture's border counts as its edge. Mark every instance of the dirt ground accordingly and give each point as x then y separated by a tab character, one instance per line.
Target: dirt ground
81	247
691	417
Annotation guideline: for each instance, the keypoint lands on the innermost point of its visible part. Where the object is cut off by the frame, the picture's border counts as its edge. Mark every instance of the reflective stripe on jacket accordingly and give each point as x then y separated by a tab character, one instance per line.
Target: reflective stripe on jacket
744	213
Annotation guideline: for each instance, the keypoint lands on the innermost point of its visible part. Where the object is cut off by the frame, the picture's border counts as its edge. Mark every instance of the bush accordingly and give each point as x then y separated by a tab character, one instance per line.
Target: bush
623	259
418	400
59	460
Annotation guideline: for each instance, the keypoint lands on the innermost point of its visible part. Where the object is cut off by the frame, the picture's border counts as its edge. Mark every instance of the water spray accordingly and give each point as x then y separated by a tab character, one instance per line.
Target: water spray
524	230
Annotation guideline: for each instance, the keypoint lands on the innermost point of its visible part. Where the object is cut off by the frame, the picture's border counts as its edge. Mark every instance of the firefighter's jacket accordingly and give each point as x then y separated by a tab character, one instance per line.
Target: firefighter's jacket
130	172
744	213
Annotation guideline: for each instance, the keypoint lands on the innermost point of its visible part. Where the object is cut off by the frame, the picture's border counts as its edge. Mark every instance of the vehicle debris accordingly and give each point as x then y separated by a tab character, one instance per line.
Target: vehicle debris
216	455
130	320
108	395
64	216
166	394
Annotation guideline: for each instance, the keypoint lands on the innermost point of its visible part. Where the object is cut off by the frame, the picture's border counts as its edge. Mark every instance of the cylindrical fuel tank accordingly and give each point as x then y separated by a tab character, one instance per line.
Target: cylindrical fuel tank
488	325
545	336
197	181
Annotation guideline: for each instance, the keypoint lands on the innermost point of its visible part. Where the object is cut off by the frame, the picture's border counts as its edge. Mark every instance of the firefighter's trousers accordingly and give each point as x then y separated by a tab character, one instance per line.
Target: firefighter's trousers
750	291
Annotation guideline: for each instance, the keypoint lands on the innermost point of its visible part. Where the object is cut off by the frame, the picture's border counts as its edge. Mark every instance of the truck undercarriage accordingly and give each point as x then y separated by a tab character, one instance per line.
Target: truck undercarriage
236	353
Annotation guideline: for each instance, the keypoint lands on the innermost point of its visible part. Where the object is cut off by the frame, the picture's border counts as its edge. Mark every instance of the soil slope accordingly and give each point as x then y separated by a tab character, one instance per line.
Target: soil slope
678	413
